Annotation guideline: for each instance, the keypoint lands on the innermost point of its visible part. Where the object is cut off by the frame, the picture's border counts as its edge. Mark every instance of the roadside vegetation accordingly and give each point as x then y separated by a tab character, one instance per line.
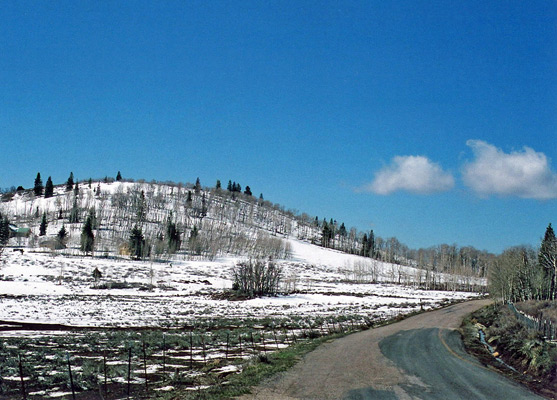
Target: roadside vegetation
518	333
497	338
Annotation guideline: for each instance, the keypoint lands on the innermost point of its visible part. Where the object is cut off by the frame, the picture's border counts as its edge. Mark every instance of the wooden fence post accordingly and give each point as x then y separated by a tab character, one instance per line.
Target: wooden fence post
22	381
71	377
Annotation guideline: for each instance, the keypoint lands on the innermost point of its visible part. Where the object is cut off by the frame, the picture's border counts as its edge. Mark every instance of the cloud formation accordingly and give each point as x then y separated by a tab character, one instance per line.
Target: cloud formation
525	173
415	174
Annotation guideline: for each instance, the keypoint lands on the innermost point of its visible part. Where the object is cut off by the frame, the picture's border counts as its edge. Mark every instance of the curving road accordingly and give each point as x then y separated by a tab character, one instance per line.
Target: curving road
419	358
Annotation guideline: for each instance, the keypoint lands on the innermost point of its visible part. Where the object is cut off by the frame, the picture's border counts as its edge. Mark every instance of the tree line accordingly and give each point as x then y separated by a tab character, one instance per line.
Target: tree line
522	273
143	220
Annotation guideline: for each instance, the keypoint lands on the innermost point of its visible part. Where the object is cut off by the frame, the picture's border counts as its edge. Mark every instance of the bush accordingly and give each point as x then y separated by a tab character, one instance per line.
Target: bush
259	278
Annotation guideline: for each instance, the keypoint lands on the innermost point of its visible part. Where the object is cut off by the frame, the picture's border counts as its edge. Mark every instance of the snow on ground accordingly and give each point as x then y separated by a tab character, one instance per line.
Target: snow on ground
47	288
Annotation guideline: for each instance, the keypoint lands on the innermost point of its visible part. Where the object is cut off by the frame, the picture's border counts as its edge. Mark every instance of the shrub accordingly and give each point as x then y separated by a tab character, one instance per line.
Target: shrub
257	278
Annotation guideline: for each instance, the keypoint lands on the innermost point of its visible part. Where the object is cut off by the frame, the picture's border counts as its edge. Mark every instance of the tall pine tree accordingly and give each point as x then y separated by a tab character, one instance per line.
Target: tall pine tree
137	242
38	188
44	224
49	188
547	259
87	237
69	182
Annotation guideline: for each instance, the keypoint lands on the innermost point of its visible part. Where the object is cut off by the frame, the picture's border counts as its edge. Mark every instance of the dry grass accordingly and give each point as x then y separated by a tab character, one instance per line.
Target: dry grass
544	309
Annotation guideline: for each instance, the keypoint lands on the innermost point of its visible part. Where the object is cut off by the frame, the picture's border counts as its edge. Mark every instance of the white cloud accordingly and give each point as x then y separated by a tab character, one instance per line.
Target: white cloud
525	173
416	174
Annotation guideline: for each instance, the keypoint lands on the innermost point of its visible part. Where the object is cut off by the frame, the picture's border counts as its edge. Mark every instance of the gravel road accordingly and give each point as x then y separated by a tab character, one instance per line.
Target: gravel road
419	358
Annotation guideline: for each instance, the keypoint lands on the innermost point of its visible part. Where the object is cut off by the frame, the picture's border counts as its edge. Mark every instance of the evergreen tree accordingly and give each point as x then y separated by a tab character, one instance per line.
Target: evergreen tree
260	196
197	186
87	237
90	182
172	236
203	206
69	183
189	199
62	235
218	186
248	191
547	259
38	188
137	242
49	188
342	230
76	188
4	230
44	224
326	234
118	177
229	187
371	244
365	248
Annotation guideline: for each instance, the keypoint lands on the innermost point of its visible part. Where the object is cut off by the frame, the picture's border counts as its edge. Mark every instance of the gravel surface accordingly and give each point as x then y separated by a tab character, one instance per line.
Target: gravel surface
418	358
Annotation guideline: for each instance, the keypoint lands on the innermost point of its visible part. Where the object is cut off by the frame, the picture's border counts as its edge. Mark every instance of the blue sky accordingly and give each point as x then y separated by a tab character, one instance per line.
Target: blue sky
432	121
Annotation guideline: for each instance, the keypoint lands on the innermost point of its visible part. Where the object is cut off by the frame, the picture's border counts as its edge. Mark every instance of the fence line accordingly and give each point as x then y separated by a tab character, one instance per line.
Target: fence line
545	327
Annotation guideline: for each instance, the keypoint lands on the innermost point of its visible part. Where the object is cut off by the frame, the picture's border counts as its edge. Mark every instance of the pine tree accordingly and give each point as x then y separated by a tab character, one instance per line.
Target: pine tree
62	235
218	185
76	188
371	244
38	188
44	224
49	188
247	191
261	196
229	187
365	249
197	186
4	230
69	183
326	234
87	237
547	259
137	242
189	199
172	236
118	177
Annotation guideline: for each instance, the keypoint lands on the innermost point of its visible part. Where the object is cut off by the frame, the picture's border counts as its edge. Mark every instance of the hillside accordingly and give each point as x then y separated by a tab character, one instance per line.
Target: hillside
171	299
169	288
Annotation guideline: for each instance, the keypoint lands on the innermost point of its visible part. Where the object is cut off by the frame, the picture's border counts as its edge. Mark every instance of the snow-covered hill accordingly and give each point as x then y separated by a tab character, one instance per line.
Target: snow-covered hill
45	285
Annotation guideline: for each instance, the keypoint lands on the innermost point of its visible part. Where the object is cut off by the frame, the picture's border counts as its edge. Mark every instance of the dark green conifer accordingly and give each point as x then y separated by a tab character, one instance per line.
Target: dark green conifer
69	182
547	259
38	188
44	224
137	242
49	188
87	237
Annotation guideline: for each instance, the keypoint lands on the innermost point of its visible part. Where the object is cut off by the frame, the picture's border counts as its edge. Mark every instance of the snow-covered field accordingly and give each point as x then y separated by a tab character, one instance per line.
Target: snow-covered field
50	288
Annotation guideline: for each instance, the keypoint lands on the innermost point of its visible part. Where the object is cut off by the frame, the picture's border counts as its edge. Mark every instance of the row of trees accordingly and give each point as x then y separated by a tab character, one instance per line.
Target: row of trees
520	273
225	223
48	189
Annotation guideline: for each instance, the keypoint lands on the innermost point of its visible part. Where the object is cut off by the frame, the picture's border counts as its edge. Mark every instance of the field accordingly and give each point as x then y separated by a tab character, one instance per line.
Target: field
151	327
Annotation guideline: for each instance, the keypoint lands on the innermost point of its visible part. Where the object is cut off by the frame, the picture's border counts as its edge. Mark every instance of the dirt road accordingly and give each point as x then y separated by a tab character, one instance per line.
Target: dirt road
418	358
